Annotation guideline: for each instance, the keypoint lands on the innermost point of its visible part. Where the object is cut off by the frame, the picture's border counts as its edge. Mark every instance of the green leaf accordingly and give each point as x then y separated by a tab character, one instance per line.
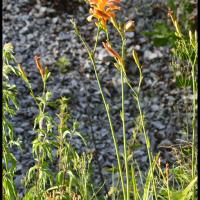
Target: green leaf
60	178
79	135
30	195
9	188
71	174
31	172
135	188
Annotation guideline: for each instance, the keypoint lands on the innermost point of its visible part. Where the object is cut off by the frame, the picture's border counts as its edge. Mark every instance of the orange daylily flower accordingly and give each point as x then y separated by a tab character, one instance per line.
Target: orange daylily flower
112	52
103	10
39	66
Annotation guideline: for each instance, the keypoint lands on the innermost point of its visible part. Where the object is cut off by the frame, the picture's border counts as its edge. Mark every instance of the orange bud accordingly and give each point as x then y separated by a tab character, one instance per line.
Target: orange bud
39	66
169	13
112	52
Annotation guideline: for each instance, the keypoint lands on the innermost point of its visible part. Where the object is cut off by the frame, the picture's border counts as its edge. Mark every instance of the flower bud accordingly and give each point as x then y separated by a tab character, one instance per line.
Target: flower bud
191	37
159	161
195	35
89	18
129	26
135	57
23	74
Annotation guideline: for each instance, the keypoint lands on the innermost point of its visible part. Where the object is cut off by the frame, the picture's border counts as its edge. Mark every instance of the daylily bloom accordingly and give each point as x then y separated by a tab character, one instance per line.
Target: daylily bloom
103	10
39	66
112	52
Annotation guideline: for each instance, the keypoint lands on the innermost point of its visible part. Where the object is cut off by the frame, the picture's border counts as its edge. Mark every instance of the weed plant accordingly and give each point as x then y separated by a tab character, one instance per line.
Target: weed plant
10	104
65	174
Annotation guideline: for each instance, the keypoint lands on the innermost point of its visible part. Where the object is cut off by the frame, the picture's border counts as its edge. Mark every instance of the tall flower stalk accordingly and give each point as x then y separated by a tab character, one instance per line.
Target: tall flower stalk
100	9
107	107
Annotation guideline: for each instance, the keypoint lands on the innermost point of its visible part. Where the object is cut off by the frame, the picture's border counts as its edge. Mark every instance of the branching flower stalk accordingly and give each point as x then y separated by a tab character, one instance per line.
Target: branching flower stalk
102	15
91	56
122	70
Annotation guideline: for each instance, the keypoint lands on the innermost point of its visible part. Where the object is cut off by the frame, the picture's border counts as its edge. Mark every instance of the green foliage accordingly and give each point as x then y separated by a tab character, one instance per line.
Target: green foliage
184	57
10	104
63	64
186	12
161	35
71	175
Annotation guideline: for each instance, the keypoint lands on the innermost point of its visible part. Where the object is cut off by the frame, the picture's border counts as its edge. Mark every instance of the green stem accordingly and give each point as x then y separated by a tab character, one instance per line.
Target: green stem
193	122
123	118
96	42
124	137
194	89
147	143
111	127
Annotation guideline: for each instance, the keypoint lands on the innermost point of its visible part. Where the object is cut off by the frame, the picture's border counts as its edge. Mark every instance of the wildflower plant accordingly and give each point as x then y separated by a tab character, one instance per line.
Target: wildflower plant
103	11
72	175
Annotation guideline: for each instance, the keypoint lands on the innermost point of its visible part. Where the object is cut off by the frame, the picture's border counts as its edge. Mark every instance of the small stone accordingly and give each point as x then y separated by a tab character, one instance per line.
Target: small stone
138	153
19	58
152	55
155	107
24	30
43	9
164	143
158	125
130	34
19	130
55	20
160	135
103	55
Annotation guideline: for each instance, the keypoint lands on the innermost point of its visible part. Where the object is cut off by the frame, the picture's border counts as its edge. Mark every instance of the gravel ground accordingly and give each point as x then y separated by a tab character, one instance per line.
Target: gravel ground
38	28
